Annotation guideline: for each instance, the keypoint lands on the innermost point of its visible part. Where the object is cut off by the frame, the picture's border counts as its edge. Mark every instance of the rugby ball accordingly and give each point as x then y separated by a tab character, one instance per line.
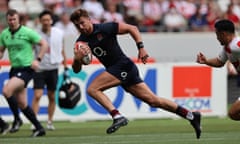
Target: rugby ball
87	59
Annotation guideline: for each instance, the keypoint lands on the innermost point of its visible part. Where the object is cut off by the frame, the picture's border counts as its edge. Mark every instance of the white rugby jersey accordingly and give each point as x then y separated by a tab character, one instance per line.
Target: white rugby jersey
231	53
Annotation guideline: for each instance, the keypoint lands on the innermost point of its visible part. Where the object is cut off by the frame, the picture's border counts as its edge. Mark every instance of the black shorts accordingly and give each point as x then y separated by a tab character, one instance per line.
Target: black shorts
47	78
24	73
126	71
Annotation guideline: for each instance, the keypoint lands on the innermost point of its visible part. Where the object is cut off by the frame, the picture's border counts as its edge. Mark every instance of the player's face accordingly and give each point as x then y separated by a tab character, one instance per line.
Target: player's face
84	25
221	37
46	21
13	21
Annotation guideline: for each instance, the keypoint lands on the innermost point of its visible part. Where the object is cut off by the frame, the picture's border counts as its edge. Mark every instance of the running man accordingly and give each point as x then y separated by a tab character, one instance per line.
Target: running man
120	70
18	40
226	35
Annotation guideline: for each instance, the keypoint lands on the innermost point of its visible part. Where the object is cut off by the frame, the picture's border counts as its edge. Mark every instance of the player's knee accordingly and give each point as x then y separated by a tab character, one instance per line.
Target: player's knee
51	99
6	92
91	91
22	105
37	97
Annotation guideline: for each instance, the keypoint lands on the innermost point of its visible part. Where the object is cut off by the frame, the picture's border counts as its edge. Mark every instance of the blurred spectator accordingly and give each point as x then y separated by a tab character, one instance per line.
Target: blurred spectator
236	7
198	22
214	13
167	4
230	15
188	8
174	21
111	13
76	4
26	21
51	5
66	25
152	13
134	14
143	13
70	5
95	9
203	6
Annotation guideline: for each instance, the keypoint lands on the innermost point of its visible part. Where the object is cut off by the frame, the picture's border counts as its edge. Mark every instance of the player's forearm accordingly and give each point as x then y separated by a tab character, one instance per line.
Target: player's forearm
43	49
214	62
64	58
76	66
134	32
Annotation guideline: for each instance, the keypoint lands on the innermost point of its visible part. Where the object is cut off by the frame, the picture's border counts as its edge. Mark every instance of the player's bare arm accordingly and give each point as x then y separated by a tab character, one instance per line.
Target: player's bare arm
43	49
214	62
64	57
124	28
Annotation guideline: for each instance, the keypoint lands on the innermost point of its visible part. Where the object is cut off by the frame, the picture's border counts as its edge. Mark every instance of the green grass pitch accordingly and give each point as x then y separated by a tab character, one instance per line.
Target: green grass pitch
147	131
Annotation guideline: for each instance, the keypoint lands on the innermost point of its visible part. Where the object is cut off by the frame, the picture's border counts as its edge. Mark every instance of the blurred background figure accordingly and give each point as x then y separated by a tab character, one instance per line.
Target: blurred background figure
167	4
188	8
198	22
152	15
174	21
66	25
95	9
230	15
214	13
111	13
133	10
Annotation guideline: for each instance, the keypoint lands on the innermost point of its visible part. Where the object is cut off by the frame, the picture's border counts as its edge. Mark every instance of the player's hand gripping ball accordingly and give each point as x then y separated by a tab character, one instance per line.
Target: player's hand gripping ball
84	52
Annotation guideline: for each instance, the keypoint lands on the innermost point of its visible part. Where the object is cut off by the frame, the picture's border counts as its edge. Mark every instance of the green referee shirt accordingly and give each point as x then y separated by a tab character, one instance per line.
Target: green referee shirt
19	45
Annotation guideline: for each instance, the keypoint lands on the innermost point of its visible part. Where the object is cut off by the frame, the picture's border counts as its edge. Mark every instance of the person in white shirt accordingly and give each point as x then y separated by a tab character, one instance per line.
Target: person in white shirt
47	74
228	38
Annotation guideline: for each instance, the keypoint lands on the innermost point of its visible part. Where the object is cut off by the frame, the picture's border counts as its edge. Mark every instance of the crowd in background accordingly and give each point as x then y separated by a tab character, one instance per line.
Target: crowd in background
148	15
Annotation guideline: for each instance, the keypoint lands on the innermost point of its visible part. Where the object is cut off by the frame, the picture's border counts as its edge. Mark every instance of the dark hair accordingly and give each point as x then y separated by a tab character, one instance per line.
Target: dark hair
12	12
224	25
45	12
77	14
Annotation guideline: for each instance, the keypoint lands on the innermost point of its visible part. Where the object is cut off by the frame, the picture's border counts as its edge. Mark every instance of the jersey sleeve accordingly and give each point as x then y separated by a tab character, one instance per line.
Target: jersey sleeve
110	28
34	36
1	40
223	56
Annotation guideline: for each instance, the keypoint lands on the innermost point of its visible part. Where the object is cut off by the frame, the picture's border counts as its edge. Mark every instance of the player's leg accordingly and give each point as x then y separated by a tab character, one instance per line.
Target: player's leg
36	99
35	102
51	82
28	112
51	109
8	90
143	92
38	86
100	83
234	111
21	95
